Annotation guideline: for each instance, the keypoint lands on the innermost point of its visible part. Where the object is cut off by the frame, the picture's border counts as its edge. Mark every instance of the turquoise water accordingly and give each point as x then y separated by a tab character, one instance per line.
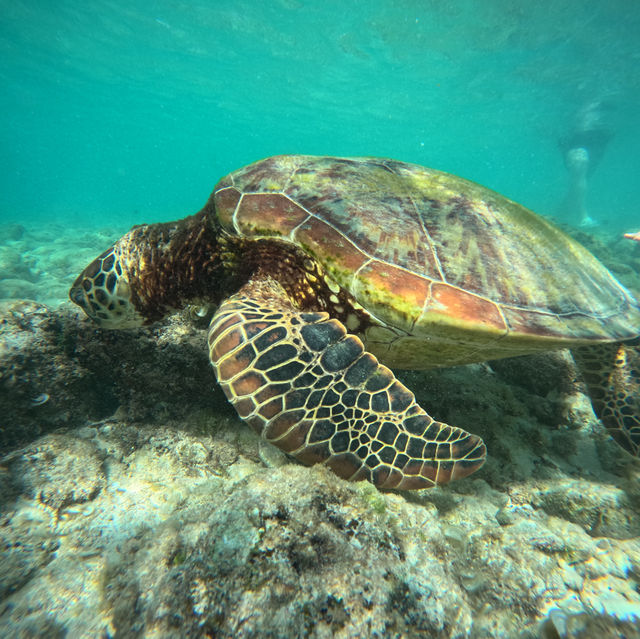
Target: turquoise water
122	112
140	506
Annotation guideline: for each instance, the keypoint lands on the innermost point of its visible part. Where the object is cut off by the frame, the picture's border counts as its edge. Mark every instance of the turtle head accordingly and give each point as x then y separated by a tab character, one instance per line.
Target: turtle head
151	271
104	293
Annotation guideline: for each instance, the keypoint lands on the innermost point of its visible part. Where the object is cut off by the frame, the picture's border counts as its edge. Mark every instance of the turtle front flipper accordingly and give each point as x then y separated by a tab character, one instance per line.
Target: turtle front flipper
307	386
612	374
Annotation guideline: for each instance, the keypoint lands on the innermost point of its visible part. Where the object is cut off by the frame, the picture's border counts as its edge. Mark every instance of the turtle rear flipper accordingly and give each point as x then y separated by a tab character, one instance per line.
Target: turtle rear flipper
612	374
307	386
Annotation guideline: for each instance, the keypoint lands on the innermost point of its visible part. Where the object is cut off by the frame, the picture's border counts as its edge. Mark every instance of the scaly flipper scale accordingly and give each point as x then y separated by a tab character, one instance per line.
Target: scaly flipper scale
307	386
612	374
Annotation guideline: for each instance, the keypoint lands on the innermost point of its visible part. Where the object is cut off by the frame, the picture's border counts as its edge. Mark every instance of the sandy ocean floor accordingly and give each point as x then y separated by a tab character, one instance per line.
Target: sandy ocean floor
40	263
136	504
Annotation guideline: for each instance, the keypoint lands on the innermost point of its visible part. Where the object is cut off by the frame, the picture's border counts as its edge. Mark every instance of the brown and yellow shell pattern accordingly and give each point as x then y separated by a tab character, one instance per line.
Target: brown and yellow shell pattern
450	271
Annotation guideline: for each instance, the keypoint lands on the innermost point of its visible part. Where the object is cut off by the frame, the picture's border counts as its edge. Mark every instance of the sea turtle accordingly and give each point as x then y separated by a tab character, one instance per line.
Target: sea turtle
327	270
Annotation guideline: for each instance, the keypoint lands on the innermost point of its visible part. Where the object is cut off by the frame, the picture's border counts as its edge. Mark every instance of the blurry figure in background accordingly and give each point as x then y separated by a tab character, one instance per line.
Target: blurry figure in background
582	149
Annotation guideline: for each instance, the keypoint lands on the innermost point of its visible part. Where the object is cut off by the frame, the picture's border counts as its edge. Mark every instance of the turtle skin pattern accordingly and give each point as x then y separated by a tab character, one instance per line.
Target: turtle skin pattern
612	374
307	386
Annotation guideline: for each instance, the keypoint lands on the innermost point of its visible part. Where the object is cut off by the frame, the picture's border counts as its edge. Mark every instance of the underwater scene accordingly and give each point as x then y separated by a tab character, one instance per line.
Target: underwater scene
320	319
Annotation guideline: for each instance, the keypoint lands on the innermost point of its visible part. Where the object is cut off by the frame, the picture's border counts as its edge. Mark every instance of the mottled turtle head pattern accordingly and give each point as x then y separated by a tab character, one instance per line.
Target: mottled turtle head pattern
149	273
103	292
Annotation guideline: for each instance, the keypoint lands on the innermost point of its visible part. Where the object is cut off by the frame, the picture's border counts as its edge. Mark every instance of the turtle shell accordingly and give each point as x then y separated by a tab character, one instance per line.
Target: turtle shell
432	256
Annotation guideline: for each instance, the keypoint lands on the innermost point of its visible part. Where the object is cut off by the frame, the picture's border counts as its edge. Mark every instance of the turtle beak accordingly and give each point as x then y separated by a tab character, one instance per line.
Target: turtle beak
77	296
